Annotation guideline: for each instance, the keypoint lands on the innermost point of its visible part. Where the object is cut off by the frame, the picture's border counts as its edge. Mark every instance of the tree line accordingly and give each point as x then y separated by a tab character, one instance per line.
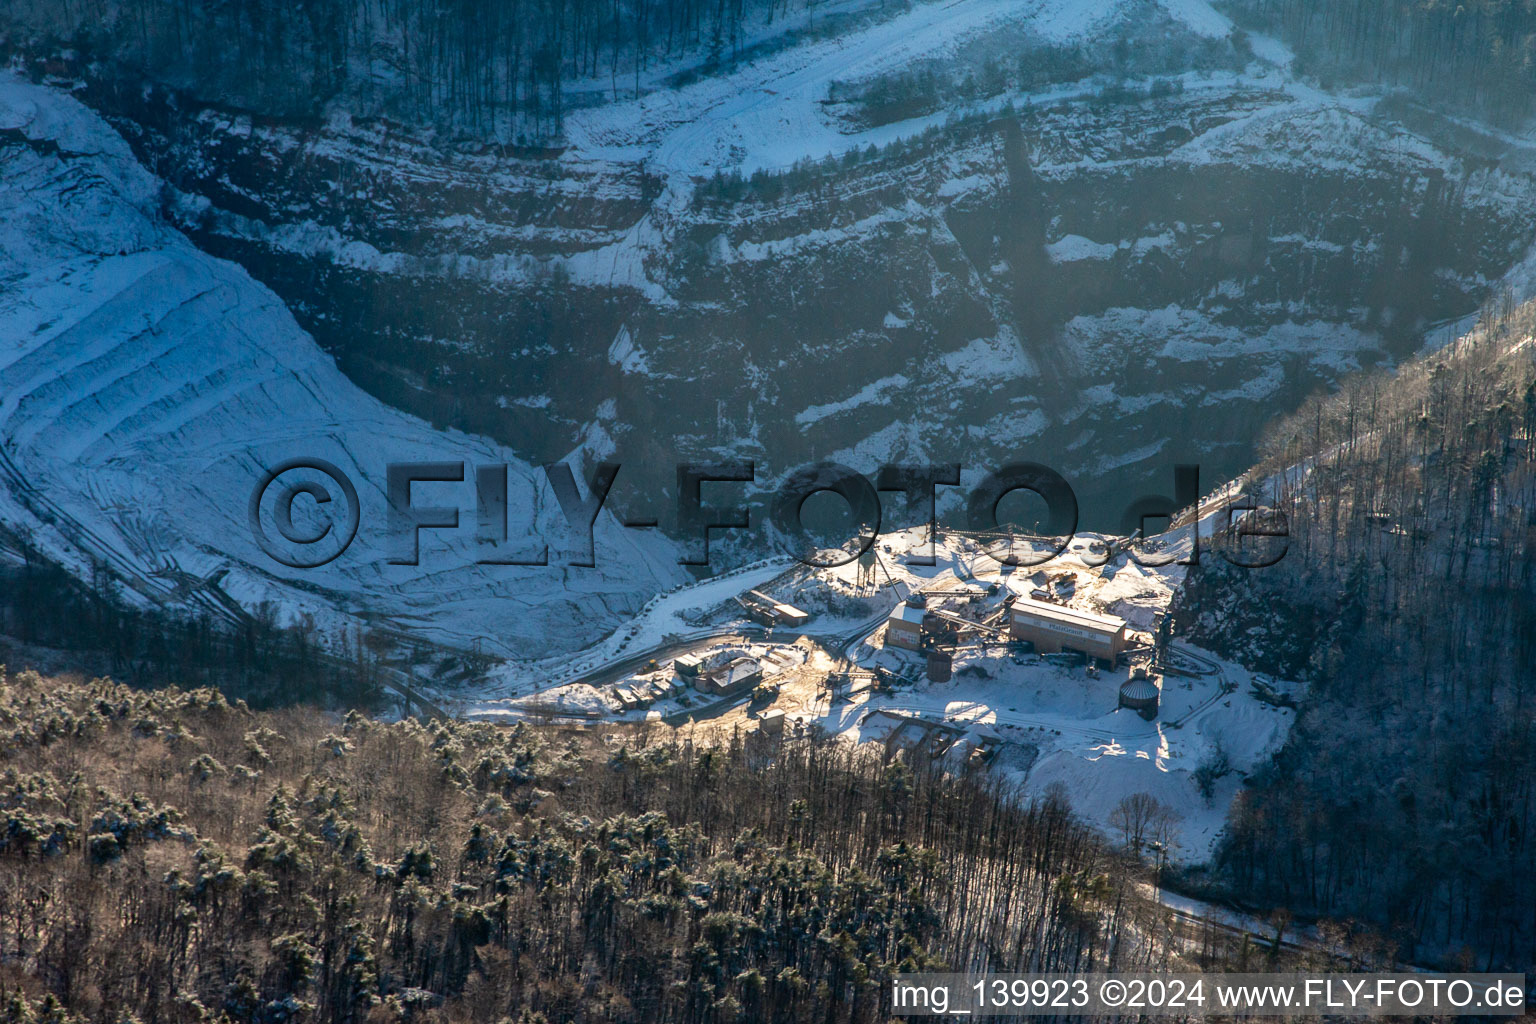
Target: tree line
258	658
1473	53
1406	794
170	856
498	68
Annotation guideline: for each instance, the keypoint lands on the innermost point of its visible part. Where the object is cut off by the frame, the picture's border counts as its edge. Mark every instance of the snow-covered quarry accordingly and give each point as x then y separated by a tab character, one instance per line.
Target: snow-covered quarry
1122	261
966	232
146	388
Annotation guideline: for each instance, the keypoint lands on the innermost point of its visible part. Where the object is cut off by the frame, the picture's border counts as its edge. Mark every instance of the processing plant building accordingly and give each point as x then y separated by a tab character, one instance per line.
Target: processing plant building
1052	628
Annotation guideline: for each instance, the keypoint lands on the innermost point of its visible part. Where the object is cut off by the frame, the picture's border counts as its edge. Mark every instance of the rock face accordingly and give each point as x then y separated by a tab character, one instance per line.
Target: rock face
148	386
1111	269
1107	278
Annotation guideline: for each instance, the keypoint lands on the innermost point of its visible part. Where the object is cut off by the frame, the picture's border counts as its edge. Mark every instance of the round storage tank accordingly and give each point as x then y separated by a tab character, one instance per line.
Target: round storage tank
1141	696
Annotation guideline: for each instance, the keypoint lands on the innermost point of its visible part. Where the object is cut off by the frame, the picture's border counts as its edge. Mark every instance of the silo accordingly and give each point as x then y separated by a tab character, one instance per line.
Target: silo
1141	696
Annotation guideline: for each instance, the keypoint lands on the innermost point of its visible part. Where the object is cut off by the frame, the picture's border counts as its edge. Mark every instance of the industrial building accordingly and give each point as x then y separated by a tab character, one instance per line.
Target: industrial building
904	628
765	610
1052	628
646	690
737	677
789	615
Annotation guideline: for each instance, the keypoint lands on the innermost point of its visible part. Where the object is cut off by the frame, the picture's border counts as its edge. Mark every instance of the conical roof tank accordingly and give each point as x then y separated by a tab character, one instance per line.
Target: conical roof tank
1141	696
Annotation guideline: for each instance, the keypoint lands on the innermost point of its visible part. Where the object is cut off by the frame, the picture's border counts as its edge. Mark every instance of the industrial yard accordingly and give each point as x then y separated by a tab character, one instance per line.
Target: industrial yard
1058	677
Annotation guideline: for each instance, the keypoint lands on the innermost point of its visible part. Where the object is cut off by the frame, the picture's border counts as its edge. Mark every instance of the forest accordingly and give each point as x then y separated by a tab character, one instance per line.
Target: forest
497	69
1473	54
508	69
91	624
169	855
1407	792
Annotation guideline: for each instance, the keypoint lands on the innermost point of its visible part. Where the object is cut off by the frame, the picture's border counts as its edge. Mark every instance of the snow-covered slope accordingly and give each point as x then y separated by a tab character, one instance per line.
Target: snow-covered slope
769	114
146	387
1106	235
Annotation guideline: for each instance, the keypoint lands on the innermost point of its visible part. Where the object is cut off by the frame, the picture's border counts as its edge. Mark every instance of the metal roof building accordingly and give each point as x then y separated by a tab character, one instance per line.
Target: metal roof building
904	628
739	675
1053	628
789	615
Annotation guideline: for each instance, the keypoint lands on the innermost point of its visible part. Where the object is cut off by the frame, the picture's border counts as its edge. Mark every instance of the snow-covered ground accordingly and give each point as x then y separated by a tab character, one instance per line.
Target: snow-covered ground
1077	740
664	619
142	378
146	387
769	113
1052	724
1066	720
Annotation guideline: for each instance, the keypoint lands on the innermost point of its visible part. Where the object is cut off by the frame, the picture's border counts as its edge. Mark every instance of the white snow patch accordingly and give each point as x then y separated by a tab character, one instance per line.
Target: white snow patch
1200	16
989	358
1073	248
868	394
626	353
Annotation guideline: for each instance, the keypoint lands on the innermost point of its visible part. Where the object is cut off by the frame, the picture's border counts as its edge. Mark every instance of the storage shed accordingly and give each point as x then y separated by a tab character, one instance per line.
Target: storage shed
789	615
